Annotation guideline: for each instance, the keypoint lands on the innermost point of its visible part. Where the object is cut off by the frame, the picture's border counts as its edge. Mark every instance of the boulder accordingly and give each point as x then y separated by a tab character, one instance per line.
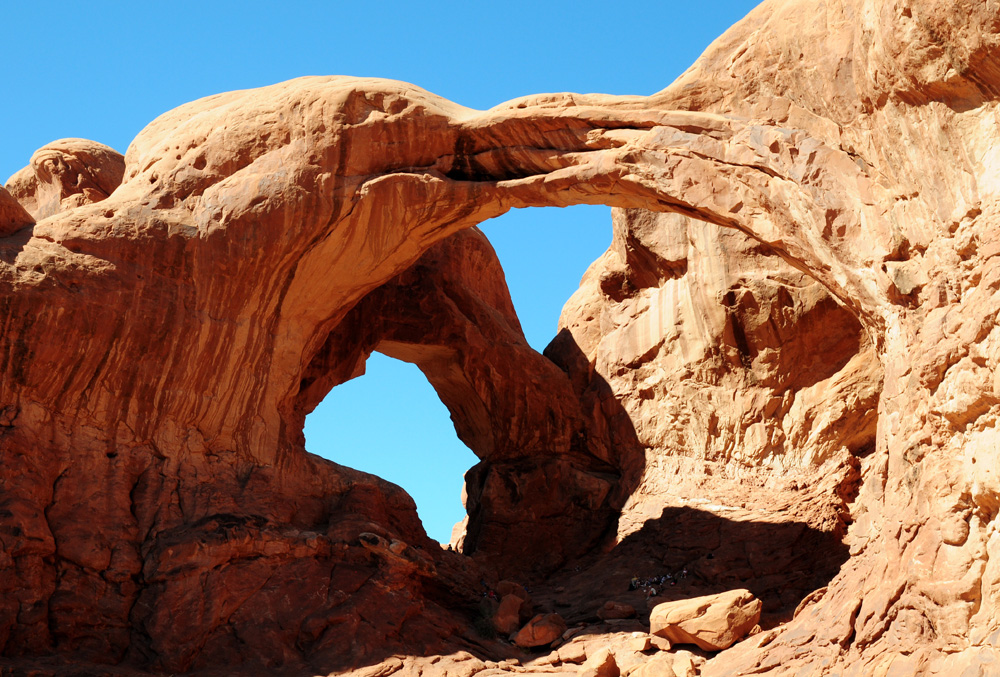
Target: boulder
713	622
507	618
541	630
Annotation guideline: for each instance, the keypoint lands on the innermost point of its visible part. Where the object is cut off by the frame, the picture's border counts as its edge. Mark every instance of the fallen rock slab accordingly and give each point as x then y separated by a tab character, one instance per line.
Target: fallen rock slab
572	652
507	618
713	622
541	630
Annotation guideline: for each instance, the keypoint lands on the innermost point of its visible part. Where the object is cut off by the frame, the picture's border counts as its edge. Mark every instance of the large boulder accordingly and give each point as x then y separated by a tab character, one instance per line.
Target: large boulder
541	630
713	622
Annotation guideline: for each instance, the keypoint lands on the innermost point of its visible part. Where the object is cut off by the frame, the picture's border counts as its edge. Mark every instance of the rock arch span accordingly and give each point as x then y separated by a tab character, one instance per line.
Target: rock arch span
160	344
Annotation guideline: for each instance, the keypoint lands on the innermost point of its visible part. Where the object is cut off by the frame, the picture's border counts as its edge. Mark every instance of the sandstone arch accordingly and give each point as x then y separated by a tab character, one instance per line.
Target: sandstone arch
164	458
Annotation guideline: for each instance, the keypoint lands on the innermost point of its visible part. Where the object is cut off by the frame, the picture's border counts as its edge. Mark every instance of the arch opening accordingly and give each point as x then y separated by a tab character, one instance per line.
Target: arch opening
391	423
452	318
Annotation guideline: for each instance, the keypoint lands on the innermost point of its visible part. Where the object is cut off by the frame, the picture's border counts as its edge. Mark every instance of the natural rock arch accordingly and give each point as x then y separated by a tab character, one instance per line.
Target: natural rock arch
250	224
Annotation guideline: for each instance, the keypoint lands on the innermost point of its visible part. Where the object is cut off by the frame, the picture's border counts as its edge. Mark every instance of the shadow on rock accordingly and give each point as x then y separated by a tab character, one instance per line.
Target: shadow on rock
688	552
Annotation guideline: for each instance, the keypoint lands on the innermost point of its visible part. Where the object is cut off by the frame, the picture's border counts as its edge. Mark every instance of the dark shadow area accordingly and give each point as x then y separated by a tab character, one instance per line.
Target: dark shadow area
13	244
693	552
698	553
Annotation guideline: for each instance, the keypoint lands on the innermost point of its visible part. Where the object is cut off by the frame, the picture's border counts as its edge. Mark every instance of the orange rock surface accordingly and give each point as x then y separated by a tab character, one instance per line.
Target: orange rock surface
713	622
783	376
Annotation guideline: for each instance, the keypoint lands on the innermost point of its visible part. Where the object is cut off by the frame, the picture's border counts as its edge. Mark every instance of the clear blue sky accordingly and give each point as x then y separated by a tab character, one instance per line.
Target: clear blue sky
103	70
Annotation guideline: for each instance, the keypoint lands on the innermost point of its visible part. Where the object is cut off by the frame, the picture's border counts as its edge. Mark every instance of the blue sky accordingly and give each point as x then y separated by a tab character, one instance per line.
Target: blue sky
103	70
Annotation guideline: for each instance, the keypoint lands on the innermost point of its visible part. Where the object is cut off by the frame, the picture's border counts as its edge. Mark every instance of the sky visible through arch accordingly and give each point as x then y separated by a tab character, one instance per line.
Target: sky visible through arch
103	70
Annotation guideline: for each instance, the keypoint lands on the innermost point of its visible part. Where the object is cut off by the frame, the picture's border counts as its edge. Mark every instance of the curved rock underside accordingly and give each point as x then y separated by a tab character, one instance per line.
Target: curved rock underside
782	376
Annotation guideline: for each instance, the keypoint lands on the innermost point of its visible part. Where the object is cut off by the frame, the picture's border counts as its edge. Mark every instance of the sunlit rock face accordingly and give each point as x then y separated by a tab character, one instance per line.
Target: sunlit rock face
782	376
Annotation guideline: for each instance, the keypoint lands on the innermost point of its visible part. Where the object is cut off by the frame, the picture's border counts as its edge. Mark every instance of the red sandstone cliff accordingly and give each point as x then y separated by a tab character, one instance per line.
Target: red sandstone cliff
783	375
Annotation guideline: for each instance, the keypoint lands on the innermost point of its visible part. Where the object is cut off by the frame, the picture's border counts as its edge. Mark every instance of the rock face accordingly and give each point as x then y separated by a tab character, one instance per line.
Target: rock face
66	174
13	217
793	334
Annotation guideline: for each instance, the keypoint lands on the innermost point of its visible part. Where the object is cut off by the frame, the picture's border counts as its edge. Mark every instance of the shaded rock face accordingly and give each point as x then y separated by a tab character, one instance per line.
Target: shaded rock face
795	327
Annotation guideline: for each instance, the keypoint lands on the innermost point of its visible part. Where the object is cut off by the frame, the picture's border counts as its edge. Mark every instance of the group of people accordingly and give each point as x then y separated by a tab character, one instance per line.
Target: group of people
652	585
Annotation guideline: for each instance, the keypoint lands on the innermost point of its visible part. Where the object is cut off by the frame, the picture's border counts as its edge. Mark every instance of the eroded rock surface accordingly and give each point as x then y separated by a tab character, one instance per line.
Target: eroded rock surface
67	173
713	622
782	376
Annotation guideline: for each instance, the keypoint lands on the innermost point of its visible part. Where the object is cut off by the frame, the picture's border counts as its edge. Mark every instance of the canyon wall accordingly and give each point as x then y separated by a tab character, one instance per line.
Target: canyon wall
783	373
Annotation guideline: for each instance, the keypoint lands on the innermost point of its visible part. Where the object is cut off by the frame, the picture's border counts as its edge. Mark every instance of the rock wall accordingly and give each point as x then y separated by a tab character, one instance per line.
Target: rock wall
795	330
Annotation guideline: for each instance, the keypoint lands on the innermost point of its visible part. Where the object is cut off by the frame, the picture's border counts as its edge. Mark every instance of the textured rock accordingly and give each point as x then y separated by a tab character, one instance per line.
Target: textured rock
788	359
13	217
601	664
713	623
660	665
542	630
572	652
507	618
66	174
542	484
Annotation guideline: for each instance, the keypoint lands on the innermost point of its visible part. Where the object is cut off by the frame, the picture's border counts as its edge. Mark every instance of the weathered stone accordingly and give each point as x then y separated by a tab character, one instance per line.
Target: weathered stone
504	588
660	643
13	217
507	618
713	623
542	630
573	652
67	173
601	664
659	665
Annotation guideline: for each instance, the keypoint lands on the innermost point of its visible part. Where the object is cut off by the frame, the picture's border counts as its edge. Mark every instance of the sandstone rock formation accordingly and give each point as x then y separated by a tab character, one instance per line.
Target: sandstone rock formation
784	375
66	174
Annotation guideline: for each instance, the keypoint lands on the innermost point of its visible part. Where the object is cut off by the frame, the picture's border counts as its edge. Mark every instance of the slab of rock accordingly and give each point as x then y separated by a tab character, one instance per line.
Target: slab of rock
507	618
659	665
601	664
639	641
573	652
660	643
541	630
713	622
